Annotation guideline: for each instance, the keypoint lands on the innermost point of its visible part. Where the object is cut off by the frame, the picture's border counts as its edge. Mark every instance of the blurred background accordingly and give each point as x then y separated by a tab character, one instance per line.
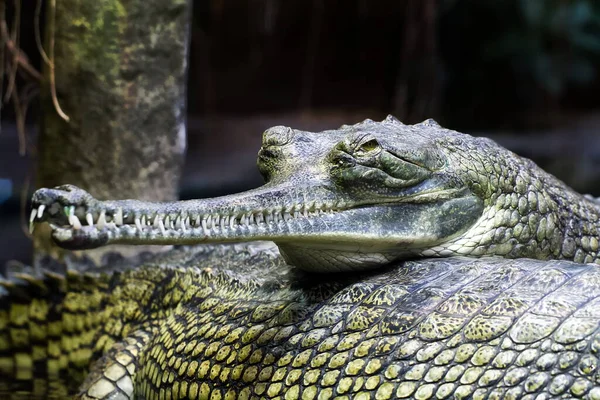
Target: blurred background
523	72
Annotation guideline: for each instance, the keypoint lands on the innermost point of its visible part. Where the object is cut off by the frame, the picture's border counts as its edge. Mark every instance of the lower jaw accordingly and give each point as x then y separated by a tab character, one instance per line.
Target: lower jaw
328	260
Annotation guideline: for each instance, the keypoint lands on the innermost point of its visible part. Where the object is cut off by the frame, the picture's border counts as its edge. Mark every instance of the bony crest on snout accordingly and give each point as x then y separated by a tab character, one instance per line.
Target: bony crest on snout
277	136
271	156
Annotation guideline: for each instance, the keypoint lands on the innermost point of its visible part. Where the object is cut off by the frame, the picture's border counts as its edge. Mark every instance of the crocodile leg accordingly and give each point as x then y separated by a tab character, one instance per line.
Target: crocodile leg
113	376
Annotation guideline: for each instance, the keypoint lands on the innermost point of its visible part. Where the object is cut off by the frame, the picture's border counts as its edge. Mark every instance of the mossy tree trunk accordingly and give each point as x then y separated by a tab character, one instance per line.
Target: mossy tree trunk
120	77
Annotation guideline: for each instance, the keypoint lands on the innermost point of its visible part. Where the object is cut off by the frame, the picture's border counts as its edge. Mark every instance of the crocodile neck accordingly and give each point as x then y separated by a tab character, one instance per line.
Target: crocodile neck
528	212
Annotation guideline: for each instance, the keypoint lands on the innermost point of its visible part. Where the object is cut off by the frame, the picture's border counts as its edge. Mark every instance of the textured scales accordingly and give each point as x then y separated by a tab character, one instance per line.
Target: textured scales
51	329
236	323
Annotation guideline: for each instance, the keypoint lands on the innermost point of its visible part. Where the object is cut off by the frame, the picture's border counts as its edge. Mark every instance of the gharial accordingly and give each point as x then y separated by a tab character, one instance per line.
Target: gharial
350	306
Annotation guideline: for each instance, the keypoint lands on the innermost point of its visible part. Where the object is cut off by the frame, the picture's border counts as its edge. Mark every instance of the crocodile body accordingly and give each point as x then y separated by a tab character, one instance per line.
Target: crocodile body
509	308
232	323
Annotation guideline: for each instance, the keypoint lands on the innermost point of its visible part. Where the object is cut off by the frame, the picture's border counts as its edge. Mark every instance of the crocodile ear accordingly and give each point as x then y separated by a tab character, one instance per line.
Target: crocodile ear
390	119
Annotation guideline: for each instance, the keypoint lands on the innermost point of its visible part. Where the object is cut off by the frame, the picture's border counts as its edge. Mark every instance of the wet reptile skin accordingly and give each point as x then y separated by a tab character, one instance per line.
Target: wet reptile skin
234	322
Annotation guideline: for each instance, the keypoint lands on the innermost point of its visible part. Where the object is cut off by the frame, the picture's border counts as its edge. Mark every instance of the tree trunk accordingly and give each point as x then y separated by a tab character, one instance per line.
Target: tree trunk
120	78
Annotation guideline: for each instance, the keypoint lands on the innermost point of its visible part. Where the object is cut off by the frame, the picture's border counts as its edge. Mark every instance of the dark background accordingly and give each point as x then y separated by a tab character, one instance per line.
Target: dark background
524	72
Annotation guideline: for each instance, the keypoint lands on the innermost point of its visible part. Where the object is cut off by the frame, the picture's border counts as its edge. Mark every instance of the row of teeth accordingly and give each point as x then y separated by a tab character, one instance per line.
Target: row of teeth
183	223
74	221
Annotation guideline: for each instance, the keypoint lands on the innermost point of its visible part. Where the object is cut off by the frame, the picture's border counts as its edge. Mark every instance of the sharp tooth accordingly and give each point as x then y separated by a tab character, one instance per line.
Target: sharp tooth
186	222
243	220
118	217
40	211
31	218
205	225
138	224
180	223
209	222
197	220
224	221
168	222
101	220
143	220
216	221
76	222
72	215
162	227
89	219
157	219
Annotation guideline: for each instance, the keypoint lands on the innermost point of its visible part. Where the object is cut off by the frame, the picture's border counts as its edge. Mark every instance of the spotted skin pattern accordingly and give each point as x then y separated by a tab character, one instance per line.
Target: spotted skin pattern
235	323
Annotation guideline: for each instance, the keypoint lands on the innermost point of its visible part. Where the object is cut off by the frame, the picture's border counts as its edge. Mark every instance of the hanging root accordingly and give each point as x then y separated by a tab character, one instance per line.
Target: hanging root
52	22
14	38
19	63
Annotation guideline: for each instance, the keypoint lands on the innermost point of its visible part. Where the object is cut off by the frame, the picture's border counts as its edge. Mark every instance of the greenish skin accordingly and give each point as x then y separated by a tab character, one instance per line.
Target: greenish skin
237	322
356	200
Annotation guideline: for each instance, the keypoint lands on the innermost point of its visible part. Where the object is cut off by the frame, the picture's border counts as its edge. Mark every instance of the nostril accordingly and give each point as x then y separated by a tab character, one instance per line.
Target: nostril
266	152
277	136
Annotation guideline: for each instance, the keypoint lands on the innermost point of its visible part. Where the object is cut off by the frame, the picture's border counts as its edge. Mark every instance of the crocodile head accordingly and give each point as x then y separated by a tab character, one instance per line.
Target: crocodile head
352	198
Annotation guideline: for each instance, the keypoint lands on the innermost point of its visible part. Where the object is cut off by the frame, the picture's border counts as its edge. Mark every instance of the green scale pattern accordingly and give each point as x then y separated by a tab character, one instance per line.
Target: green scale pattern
230	322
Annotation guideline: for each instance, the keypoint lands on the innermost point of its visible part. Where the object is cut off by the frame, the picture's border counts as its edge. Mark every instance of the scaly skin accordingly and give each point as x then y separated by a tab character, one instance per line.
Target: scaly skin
357	198
51	329
237	323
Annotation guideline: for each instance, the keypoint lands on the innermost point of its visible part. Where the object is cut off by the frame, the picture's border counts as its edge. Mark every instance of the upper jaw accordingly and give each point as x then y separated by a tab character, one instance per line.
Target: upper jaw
70	208
79	221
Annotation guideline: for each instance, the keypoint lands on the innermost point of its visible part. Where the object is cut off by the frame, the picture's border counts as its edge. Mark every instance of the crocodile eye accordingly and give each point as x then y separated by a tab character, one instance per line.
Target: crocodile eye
367	147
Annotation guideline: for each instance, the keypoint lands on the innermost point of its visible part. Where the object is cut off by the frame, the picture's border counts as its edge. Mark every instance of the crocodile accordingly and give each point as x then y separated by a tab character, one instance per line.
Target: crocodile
356	198
412	261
